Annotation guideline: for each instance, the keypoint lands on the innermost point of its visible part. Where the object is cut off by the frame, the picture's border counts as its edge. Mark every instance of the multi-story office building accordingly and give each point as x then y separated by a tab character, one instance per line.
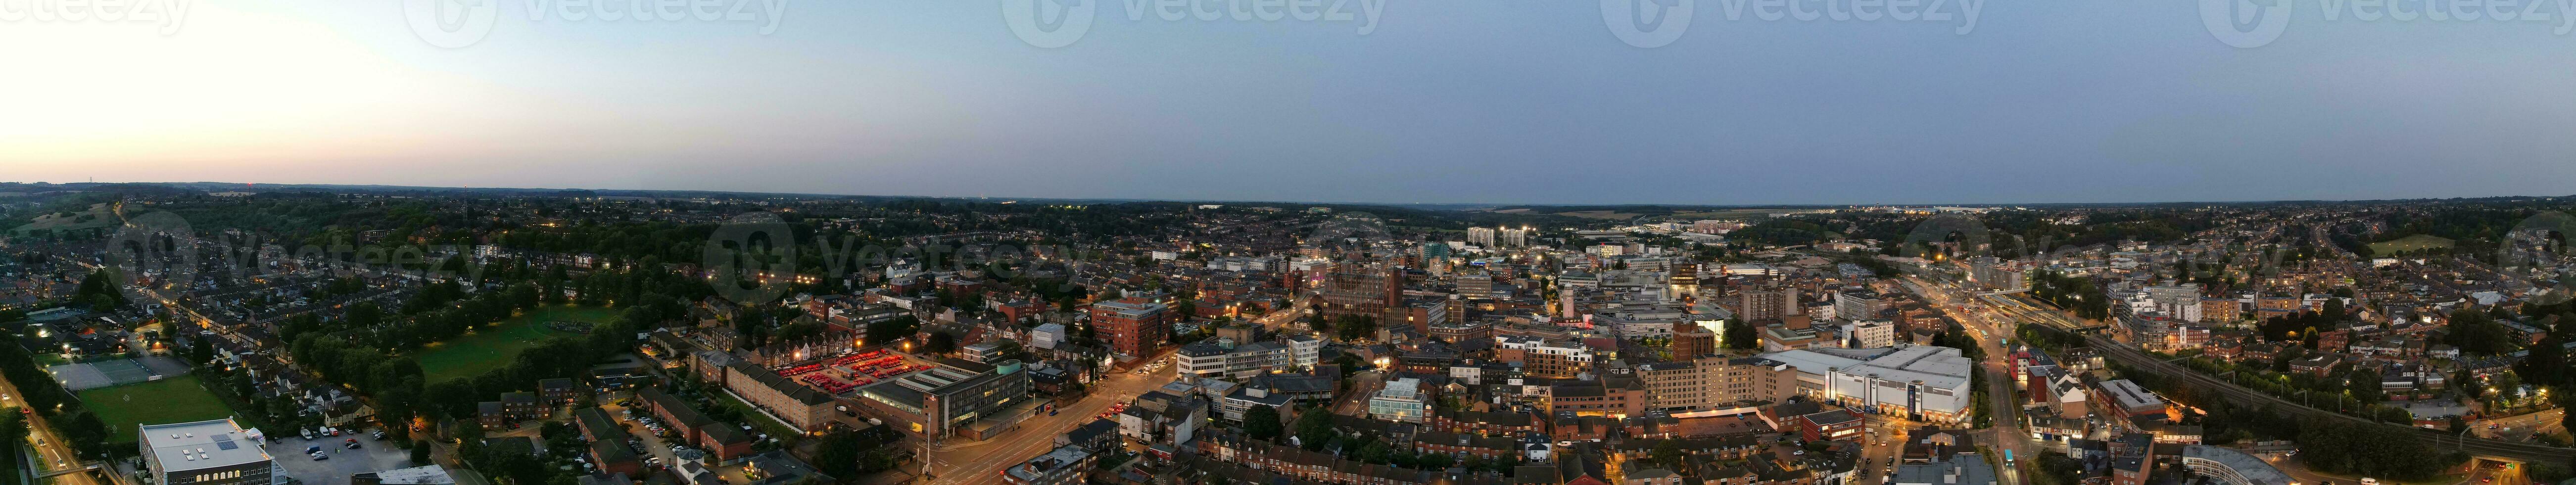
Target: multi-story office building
1135	327
1869	334
1476	284
1858	304
210	452
1995	272
1673	385
1304	350
1714	382
1401	400
1691	341
801	407
944	399
1758	304
1371	290
1209	358
1617	396
1544	358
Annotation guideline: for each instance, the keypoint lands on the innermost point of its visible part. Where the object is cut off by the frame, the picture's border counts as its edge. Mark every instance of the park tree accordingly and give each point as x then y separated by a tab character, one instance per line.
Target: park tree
893	329
1740	335
1668	454
1354	327
13	426
940	343
1262	423
1315	428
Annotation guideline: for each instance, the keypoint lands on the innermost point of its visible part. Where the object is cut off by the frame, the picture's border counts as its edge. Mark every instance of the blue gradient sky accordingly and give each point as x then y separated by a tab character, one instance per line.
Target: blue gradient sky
1511	101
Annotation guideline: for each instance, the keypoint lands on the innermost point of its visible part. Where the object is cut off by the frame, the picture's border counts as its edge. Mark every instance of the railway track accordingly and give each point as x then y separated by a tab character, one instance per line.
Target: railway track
2142	361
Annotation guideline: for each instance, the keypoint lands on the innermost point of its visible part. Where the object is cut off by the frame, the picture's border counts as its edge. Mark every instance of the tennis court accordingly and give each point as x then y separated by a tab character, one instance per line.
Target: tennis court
106	373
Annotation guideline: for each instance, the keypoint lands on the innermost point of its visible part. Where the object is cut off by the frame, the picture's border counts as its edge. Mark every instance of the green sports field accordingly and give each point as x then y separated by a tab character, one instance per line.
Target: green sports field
494	346
177	399
2409	243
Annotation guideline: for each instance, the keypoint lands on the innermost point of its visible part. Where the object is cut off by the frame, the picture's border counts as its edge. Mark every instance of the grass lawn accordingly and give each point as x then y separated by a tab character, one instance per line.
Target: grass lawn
752	416
96	216
494	346
176	399
2409	243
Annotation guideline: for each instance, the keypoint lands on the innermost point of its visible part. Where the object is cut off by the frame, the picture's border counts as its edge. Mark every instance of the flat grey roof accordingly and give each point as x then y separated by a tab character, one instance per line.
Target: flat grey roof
1940	367
2255	470
199	445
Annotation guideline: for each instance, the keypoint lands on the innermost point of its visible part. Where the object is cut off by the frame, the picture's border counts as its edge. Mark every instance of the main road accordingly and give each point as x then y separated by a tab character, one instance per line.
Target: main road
53	453
2006	434
983	461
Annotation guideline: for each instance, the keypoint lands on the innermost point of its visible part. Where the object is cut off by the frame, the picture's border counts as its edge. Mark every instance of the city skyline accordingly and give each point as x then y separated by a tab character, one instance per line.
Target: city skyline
330	187
1406	102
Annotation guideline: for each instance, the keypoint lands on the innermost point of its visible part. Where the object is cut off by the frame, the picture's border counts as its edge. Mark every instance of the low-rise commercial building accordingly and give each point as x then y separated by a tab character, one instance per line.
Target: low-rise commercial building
942	400
210	452
2232	467
1922	382
1064	466
1401	400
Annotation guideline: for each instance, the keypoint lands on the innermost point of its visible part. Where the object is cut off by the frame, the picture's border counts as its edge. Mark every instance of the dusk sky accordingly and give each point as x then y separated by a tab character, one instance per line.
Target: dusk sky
1510	101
